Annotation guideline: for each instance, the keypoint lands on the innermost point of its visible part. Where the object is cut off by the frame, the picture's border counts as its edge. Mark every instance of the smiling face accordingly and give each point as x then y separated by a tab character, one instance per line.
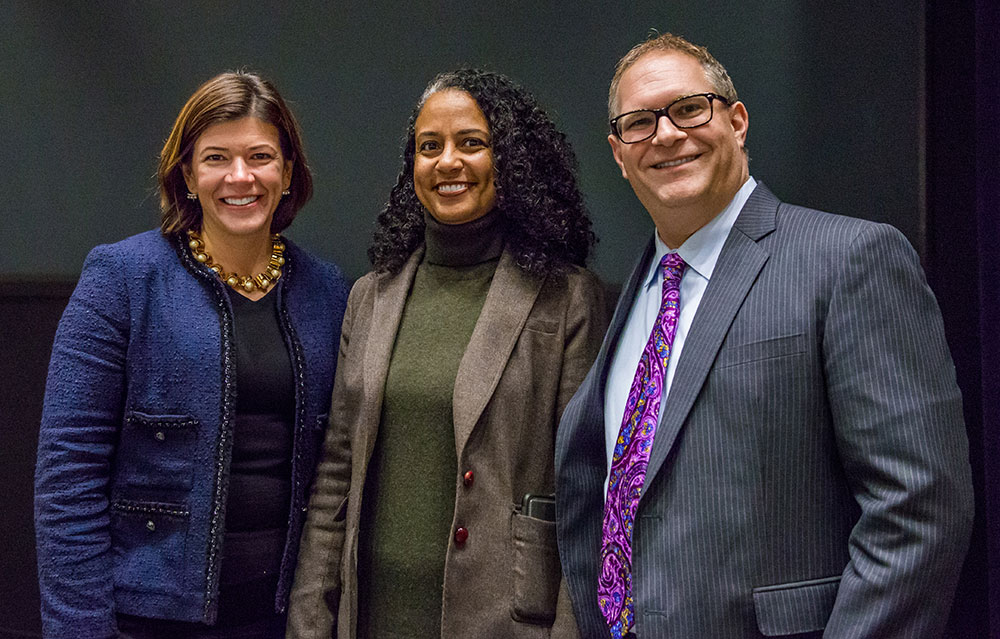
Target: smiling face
238	172
453	163
684	177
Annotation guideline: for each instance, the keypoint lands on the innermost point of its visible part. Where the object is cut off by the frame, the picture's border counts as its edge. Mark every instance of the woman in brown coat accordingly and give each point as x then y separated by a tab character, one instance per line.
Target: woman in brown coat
432	512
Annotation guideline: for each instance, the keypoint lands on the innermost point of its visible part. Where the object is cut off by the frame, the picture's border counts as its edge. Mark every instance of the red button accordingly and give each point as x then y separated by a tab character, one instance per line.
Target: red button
468	478
460	536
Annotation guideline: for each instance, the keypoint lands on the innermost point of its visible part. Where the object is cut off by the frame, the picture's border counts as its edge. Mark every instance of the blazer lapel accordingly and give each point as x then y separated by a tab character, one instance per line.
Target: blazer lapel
505	311
391	291
739	264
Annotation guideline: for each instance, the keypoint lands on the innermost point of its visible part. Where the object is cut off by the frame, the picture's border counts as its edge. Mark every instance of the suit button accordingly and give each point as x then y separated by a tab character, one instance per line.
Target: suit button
468	478
460	536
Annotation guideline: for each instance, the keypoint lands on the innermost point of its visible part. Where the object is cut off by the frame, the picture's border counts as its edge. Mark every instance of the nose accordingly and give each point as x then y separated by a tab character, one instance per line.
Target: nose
239	172
666	133
450	159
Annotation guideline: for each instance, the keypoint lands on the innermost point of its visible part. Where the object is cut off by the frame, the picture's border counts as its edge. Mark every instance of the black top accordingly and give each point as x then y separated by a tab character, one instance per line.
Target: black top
260	472
259	487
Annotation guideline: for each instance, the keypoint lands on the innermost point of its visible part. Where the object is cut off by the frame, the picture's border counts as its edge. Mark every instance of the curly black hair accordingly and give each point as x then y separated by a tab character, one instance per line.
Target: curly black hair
544	220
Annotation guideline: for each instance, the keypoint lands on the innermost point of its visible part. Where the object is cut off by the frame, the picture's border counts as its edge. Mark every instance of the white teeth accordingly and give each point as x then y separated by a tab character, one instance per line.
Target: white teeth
663	165
240	201
452	188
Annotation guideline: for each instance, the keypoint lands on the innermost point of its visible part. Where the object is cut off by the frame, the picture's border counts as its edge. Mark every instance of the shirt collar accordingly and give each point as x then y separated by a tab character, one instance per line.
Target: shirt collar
701	250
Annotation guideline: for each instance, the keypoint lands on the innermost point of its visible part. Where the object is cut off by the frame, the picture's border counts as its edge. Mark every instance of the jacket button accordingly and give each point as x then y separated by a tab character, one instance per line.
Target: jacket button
468	478
150	526
160	436
460	536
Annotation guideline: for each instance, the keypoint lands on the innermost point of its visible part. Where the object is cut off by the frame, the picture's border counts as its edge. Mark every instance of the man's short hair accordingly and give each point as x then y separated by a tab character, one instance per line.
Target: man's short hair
714	72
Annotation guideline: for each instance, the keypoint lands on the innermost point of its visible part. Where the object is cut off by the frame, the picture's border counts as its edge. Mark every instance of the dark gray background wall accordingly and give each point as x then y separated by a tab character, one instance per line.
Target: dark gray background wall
89	91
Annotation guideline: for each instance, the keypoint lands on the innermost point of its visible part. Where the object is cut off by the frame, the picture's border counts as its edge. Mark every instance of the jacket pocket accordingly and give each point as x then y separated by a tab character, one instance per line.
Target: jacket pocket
764	349
547	327
796	607
157	451
148	542
536	570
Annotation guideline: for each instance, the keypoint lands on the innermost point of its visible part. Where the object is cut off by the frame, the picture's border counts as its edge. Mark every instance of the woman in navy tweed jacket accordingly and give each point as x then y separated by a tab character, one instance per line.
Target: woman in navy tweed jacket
188	392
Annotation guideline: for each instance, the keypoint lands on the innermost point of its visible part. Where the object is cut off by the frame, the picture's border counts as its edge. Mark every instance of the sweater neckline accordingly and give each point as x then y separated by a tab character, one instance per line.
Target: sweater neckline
475	242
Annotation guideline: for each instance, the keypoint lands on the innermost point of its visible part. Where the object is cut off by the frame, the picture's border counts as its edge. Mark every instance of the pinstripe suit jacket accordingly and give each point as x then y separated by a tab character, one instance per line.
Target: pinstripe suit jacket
810	474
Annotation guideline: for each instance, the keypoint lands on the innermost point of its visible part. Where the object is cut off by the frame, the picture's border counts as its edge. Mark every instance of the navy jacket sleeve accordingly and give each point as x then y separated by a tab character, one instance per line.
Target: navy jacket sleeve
83	406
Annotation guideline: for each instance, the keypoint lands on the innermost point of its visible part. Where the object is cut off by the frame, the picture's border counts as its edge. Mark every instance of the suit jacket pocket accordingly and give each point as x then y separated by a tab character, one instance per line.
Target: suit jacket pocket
734	355
157	451
795	607
148	540
536	570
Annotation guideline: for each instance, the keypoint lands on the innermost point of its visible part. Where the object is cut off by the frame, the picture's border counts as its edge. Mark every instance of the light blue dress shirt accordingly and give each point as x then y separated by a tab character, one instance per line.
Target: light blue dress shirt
700	252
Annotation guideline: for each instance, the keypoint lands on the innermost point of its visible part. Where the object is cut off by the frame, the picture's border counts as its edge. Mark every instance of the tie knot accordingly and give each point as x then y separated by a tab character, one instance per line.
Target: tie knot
673	266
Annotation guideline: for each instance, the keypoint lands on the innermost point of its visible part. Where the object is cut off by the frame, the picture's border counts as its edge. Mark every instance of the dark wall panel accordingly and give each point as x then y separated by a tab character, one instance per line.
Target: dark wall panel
30	312
90	91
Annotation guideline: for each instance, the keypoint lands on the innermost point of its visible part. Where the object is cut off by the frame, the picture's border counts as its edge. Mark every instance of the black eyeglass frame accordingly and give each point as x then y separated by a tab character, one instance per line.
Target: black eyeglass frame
659	113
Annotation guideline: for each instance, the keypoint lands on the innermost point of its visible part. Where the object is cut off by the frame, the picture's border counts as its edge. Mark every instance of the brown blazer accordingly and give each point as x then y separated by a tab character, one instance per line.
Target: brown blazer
532	346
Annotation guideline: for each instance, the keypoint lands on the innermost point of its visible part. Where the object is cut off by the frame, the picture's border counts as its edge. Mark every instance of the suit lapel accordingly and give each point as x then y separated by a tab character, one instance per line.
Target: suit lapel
622	309
505	311
739	264
581	465
391	291
588	437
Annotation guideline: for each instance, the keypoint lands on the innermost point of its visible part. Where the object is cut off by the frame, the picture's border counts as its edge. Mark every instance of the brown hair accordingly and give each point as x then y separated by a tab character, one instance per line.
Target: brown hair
228	96
714	72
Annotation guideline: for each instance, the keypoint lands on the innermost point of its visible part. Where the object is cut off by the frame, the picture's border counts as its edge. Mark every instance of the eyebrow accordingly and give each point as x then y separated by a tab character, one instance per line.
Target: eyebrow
684	96
462	132
677	99
262	145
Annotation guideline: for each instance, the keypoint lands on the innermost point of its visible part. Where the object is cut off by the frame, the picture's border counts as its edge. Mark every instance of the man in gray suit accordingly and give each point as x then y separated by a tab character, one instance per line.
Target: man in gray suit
770	442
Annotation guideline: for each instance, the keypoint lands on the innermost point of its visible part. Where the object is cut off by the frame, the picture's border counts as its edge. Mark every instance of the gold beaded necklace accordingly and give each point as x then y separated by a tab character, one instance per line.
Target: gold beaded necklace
261	281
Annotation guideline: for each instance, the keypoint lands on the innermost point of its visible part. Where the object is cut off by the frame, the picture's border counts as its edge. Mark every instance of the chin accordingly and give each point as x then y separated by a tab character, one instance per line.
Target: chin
456	217
244	230
680	194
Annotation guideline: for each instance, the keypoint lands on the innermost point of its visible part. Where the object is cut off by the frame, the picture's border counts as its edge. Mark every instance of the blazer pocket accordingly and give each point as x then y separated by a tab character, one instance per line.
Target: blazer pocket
148	543
157	451
548	327
536	570
761	350
795	607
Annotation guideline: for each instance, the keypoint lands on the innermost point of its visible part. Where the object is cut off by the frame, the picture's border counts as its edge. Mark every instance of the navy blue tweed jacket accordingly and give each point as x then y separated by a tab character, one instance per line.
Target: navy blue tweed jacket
136	433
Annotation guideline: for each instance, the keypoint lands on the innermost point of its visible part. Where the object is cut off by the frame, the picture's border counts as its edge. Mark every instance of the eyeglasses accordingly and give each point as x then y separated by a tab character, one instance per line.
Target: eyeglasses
687	112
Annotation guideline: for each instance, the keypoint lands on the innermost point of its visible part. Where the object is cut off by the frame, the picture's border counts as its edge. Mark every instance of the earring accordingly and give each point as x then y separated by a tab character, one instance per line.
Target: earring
286	192
192	196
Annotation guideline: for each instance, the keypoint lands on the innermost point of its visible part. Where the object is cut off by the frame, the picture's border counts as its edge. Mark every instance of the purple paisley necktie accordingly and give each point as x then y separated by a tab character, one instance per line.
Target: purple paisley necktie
631	456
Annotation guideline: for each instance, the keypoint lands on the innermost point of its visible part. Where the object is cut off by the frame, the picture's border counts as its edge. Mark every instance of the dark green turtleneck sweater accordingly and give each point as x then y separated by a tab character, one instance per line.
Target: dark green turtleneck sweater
409	494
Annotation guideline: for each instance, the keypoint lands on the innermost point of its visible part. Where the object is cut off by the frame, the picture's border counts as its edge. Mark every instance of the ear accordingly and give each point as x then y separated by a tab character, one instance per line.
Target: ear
616	150
286	174
192	184
740	121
